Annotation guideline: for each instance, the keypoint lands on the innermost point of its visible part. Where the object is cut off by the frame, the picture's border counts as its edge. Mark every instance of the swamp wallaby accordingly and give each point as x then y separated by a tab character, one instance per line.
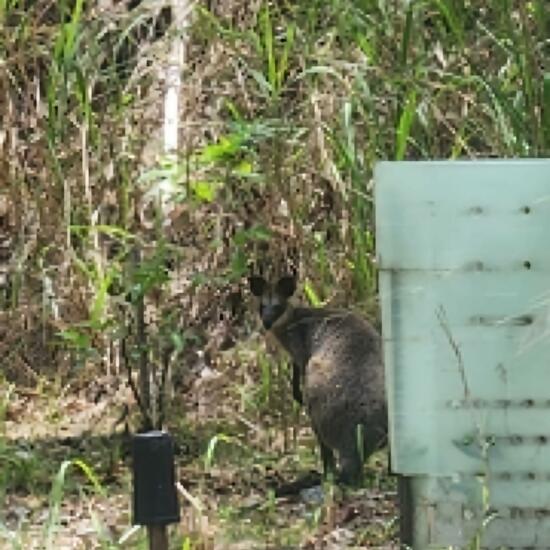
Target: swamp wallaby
337	372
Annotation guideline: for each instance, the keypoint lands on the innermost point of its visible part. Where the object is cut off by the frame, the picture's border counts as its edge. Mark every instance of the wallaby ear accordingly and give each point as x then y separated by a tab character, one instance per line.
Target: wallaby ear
286	286
257	285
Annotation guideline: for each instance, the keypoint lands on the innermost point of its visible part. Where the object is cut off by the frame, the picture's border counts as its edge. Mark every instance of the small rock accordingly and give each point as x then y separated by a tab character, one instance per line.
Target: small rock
313	495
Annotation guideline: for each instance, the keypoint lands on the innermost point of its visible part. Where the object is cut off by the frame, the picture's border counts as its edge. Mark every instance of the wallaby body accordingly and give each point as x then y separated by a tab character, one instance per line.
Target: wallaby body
337	358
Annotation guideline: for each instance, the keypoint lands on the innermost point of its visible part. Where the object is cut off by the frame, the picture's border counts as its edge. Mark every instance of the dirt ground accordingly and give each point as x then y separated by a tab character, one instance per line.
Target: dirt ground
227	466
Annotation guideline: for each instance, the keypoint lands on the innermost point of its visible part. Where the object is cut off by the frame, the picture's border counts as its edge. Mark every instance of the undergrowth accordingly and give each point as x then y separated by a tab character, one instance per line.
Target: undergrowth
286	107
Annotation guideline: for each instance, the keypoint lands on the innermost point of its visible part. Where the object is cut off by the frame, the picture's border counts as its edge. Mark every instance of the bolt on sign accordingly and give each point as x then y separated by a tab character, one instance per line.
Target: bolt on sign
464	263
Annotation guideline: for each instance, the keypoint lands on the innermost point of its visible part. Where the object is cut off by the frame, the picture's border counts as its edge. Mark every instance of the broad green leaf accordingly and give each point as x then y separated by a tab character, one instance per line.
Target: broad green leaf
205	191
75	338
244	168
226	147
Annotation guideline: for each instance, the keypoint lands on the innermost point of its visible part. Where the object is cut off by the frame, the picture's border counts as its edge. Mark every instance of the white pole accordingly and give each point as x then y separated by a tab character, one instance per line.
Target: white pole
181	11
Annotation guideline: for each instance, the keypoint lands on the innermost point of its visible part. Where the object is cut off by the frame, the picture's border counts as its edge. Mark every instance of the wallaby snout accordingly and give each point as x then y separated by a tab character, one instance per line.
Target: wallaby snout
270	313
273	300
337	373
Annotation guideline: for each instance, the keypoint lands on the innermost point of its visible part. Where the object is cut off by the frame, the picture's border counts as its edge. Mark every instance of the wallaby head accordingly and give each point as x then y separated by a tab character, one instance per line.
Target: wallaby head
273	299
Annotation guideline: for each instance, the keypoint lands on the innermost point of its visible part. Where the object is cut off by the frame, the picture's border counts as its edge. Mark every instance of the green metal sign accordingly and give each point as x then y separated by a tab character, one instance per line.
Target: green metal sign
464	259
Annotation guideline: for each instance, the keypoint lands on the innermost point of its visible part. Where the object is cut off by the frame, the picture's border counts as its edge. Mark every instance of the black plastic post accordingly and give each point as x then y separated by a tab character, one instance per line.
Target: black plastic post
406	510
155	497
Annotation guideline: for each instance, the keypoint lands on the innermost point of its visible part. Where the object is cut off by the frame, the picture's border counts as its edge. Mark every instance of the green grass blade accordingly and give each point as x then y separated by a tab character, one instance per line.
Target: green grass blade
269	47
405	124
546	114
56	496
283	61
453	19
407	33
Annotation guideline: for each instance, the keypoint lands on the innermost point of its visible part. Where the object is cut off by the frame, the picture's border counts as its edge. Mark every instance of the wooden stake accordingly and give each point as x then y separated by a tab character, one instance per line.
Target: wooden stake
158	537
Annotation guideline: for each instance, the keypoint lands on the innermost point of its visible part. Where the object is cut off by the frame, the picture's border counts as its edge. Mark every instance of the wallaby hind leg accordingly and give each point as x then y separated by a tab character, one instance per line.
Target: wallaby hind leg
327	457
297	384
354	451
328	460
351	469
350	458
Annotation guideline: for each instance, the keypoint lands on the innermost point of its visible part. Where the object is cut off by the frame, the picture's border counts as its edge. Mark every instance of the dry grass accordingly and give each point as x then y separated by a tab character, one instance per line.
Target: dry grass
285	109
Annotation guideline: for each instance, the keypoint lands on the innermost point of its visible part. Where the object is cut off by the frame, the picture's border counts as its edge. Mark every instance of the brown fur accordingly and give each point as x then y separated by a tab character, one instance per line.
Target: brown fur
338	355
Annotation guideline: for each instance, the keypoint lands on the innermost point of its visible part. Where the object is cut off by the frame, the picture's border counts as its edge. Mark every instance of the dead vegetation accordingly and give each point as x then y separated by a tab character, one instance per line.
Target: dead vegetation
286	106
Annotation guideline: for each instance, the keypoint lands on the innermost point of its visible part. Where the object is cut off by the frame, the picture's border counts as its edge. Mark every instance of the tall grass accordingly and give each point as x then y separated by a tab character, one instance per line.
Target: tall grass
316	94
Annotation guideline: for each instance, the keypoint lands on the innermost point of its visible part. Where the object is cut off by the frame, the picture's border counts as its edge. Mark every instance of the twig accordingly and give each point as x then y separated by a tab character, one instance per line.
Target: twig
165	359
197	505
444	324
141	339
133	387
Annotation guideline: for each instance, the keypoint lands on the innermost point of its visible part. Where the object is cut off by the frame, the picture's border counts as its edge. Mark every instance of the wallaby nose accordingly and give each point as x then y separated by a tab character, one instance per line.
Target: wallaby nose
269	314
